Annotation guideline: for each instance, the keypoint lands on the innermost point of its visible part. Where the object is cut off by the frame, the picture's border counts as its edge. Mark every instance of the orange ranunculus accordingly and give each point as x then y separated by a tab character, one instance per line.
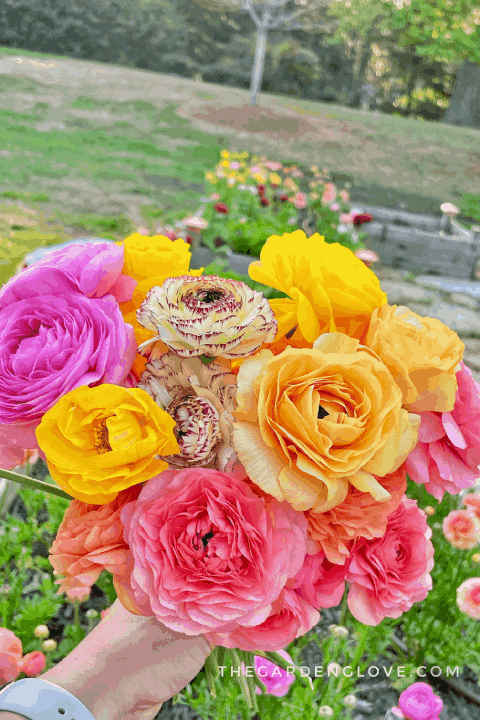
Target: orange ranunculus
421	353
359	515
311	422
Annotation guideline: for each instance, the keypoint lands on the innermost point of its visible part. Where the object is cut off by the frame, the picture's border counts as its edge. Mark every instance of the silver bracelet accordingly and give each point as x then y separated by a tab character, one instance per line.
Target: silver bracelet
37	699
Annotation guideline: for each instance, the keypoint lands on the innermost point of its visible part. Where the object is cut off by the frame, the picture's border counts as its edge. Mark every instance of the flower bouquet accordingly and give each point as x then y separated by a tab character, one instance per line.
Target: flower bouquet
250	198
236	464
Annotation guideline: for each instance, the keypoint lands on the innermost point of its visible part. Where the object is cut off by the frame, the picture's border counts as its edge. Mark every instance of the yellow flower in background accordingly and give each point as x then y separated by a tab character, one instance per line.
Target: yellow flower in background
328	287
275	179
225	164
225	154
211	177
242	164
101	440
241	178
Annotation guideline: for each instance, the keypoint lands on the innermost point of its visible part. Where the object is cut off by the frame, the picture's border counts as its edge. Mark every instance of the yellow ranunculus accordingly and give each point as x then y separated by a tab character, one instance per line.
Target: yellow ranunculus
275	179
225	163
211	177
328	287
225	154
101	440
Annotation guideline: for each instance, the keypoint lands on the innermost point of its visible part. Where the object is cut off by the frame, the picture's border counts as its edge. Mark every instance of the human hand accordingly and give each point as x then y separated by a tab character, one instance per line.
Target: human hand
129	665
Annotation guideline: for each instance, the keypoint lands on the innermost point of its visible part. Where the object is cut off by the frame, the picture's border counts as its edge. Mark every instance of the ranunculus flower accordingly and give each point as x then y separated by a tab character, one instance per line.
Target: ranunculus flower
99	441
335	207
265	202
361	218
472	502
221	208
468	597
92	269
300	200
283	197
309	422
447	455
291	184
462	529
276	680
90	540
297	173
328	288
421	353
33	664
273	165
53	345
418	702
261	189
389	574
359	515
201	400
290	618
329	194
11	453
344	194
209	553
207	316
320	582
10	656
346	218
275	180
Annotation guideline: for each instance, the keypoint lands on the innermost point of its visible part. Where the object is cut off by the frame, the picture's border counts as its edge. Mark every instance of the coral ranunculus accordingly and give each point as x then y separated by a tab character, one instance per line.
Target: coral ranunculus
328	288
99	441
34	664
309	422
421	353
389	574
10	656
359	515
320	582
207	316
209	554
468	597
447	455
89	540
462	529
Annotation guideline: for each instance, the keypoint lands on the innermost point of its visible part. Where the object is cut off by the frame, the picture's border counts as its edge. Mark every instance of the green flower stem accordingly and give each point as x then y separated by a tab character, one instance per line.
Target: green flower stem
241	679
211	671
76	606
34	484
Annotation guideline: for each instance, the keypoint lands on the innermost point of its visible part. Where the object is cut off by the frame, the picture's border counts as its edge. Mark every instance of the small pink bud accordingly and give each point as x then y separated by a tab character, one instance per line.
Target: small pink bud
34	663
78	594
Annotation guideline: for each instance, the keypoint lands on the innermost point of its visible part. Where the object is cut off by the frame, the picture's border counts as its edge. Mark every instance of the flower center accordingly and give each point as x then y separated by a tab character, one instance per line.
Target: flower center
209	296
100	435
206	538
322	413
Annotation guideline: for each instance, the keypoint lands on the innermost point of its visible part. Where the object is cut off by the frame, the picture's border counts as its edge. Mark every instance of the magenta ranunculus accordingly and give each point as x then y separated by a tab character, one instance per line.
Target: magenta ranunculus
418	702
389	574
320	582
447	454
209	553
94	270
276	680
53	345
291	617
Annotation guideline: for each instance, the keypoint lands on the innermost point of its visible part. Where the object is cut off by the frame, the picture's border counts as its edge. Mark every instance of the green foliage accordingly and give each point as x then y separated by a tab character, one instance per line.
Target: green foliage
19	195
470	205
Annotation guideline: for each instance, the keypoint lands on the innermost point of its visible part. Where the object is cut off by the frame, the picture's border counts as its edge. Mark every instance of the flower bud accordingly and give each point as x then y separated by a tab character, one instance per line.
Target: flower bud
41	631
91	614
340	631
429	510
350	701
325	711
334	668
49	645
476	557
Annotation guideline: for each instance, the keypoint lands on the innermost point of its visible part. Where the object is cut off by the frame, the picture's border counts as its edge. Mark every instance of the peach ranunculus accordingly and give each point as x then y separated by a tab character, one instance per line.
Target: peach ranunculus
201	400
472	502
468	597
311	422
359	515
328	288
149	261
90	540
103	439
207	316
462	529
10	656
421	353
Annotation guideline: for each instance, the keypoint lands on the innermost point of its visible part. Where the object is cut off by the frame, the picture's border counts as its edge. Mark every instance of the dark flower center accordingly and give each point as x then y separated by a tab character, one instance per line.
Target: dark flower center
322	413
209	296
100	438
206	538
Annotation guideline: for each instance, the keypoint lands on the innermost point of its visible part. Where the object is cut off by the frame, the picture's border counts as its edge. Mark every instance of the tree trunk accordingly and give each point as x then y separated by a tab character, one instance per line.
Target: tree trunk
355	95
464	108
258	63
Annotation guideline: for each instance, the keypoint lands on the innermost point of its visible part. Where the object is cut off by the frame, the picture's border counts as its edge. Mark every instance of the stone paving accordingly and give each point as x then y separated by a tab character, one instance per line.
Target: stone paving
453	302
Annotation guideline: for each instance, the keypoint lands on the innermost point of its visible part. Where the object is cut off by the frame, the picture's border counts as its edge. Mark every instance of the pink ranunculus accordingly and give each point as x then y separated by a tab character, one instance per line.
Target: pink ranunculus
214	196
276	680
300	200
291	617
329	194
468	597
10	656
345	196
472	503
389	574
346	218
462	529
447	455
418	702
34	664
297	173
92	269
208	552
52	346
234	165
335	207
273	165
320	582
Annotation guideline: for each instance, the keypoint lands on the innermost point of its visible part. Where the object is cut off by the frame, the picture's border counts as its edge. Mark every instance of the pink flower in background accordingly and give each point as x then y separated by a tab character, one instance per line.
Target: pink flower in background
462	529
276	680
209	553
92	269
10	656
473	504
468	597
447	455
345	196
320	582
234	165
273	165
418	702
329	194
142	230
300	200
389	574
297	173
346	218
335	207
34	664
214	196
291	617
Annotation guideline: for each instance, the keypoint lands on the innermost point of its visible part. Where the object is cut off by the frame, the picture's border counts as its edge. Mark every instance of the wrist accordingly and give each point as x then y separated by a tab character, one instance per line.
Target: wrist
5	715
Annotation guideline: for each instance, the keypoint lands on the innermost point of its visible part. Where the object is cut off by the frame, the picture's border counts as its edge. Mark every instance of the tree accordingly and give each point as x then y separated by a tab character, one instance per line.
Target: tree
448	29
270	15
